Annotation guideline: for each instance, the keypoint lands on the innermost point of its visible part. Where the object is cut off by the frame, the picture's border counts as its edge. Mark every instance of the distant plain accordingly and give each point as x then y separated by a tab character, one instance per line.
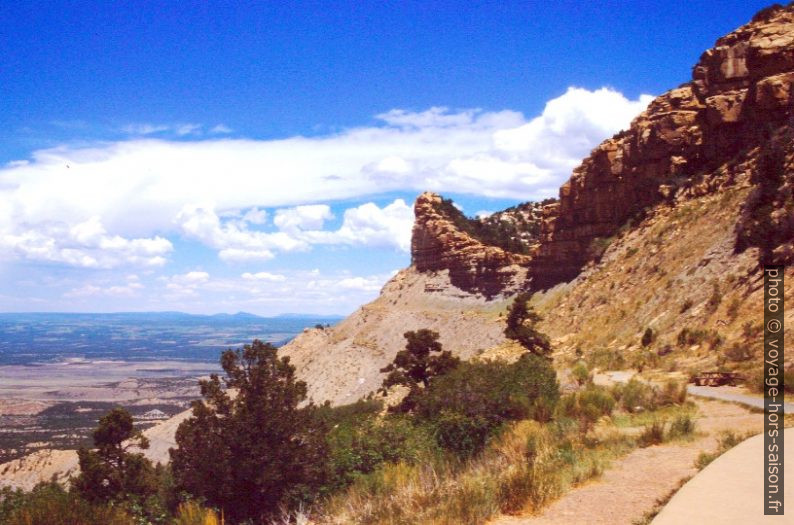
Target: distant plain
60	372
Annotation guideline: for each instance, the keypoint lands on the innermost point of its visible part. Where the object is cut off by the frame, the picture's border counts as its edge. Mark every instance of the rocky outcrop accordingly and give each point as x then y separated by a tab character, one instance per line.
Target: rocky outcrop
694	139
439	244
707	128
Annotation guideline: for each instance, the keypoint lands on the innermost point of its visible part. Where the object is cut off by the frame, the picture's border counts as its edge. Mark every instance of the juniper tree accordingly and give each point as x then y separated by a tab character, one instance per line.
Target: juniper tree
421	361
416	364
112	471
255	452
521	322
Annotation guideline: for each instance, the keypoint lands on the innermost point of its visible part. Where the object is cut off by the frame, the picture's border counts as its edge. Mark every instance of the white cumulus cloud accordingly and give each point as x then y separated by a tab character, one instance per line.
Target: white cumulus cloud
86	244
234	241
263	276
370	225
309	217
120	202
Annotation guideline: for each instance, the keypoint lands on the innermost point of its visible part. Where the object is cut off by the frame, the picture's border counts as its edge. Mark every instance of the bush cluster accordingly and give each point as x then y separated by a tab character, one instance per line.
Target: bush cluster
695	336
638	396
587	406
471	403
251	456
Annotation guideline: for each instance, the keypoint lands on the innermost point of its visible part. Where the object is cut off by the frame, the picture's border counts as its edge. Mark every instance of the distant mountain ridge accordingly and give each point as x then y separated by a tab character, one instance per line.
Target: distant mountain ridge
166	314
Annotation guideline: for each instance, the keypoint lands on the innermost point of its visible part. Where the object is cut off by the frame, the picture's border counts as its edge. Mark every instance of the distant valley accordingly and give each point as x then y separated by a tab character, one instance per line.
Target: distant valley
30	338
60	372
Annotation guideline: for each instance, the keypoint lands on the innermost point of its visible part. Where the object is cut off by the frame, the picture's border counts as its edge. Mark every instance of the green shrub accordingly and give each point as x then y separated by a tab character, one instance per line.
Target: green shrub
635	396
652	434
688	337
494	392
463	435
606	359
686	305
587	406
738	352
360	446
581	374
645	359
682	426
733	308
638	396
672	393
751	330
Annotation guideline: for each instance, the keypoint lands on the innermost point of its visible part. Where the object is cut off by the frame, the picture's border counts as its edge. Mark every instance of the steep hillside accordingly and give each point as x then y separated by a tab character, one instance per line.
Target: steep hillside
342	363
677	274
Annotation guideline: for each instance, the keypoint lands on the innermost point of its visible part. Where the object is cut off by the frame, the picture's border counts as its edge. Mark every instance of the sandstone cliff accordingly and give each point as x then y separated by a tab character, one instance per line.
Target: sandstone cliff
438	243
703	136
692	139
682	172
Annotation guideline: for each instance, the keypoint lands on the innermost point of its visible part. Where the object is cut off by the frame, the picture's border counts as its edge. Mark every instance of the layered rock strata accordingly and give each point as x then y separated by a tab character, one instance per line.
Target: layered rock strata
740	89
438	244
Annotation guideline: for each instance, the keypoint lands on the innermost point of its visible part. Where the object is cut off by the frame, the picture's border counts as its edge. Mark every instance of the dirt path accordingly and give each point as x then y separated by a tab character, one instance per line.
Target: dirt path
631	487
729	491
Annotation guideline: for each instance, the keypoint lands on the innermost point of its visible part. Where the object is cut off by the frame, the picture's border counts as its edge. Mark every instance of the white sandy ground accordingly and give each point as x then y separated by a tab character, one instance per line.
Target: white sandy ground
730	490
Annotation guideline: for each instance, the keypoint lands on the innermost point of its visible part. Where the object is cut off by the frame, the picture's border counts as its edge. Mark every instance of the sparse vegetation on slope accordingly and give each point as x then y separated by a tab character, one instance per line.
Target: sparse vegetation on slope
514	229
525	467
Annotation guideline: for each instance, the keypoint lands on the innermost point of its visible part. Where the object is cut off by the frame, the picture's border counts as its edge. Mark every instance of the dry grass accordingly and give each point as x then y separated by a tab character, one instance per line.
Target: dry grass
191	513
727	441
526	468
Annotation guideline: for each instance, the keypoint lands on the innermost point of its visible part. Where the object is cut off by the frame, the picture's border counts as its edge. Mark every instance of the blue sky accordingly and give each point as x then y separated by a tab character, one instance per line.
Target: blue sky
212	157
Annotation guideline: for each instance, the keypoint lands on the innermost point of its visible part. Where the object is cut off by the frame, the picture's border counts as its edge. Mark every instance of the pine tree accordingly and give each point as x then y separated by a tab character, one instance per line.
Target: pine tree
415	365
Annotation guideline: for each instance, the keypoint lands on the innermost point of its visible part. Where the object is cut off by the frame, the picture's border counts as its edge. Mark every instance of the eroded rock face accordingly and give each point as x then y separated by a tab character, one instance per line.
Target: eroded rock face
690	141
437	244
739	87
